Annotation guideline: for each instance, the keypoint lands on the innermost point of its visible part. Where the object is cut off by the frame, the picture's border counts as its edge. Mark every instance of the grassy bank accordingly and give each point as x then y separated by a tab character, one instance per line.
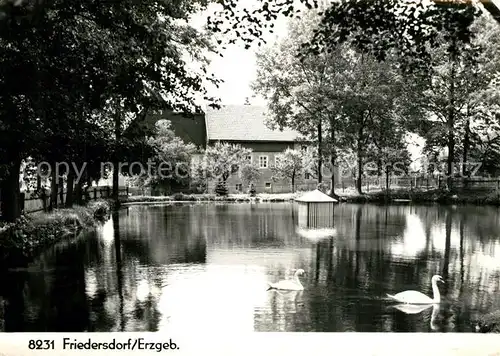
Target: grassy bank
476	197
22	240
423	197
231	198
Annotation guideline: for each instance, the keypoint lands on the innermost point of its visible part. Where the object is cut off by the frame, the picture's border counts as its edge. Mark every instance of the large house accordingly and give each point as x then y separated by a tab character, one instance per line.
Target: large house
244	125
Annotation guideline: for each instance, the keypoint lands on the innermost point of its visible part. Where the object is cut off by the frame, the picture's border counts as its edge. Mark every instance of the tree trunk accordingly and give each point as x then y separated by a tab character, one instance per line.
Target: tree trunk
78	192
116	162
332	168
387	180
451	125
333	157
11	191
360	172
61	191
53	190
293	183
320	153
116	181
451	152
86	191
465	172
360	159
69	189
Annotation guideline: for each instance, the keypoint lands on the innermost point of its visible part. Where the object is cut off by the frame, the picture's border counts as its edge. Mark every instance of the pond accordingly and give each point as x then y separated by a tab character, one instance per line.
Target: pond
205	267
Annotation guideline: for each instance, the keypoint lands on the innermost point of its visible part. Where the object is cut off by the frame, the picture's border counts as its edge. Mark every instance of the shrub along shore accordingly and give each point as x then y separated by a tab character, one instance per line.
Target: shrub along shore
420	197
22	240
436	196
231	198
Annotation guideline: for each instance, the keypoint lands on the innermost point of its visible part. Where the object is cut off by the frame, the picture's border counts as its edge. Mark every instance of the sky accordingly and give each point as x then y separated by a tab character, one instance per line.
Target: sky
237	68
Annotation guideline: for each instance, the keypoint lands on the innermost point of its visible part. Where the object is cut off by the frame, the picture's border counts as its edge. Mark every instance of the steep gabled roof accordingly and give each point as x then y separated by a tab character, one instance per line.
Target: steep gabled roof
243	123
190	128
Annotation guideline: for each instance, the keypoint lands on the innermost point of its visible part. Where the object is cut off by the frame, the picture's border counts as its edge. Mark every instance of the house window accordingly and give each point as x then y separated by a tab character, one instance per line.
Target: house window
268	185
303	148
238	187
276	160
307	176
263	162
249	158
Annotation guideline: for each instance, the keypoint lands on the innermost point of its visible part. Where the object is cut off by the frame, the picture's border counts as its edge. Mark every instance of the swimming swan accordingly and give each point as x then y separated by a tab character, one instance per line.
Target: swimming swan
414	297
289	284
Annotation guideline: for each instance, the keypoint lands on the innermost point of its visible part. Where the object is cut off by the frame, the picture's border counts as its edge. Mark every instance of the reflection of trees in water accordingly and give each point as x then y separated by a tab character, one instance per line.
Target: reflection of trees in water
447	251
348	271
168	235
361	246
90	284
2	317
286	313
165	236
250	226
118	267
50	294
115	307
483	223
365	268
100	318
148	313
472	261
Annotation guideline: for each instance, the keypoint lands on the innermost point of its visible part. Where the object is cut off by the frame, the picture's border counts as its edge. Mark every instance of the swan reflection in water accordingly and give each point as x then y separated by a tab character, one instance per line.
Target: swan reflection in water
288	300
416	309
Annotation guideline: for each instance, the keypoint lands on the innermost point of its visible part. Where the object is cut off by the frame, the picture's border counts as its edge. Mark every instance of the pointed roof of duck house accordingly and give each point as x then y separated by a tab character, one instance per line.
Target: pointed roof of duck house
316	196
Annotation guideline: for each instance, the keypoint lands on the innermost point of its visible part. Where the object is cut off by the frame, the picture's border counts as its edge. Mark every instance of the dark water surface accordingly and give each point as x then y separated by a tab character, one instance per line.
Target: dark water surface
205	267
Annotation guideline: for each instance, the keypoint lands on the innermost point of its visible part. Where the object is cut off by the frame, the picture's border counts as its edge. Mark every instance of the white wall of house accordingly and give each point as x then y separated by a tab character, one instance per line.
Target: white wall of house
264	161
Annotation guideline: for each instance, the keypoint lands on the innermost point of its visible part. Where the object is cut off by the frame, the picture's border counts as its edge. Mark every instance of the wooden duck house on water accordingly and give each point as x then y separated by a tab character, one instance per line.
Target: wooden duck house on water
315	213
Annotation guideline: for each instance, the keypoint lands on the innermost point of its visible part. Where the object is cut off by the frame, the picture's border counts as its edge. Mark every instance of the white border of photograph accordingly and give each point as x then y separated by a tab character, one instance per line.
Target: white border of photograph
16	344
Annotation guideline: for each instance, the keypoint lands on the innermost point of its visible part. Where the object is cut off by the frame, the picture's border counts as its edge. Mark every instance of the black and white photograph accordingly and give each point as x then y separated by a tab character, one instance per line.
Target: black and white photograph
249	167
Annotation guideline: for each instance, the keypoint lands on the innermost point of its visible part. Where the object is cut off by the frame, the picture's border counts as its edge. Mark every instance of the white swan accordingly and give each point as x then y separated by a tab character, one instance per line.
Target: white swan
414	297
288	284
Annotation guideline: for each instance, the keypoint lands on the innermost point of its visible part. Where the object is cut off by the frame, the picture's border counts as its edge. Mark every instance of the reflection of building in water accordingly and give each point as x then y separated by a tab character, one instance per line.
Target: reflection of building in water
315	215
